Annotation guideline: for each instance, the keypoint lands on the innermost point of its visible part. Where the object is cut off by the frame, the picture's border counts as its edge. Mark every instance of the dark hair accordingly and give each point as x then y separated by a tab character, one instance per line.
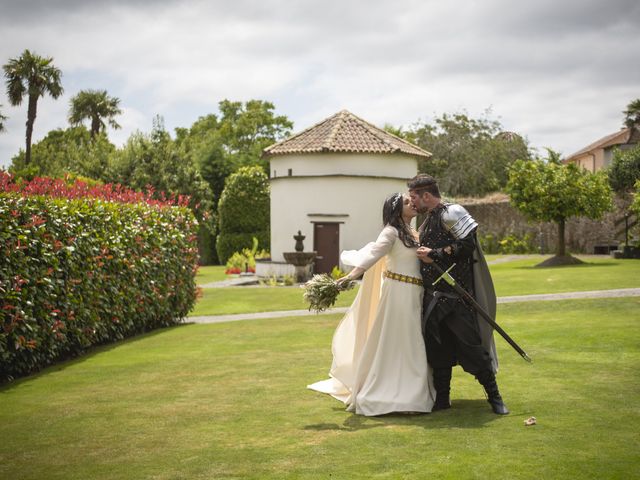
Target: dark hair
392	215
424	183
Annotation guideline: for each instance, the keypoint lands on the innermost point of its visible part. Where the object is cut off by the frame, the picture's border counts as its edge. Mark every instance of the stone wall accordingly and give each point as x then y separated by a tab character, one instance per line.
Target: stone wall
498	218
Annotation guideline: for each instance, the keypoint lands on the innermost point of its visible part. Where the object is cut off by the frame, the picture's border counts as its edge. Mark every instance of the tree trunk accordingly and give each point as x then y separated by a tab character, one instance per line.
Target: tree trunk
560	252
31	118
95	126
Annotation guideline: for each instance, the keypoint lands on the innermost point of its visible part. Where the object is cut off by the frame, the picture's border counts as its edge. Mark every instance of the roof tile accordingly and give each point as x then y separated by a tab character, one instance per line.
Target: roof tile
344	133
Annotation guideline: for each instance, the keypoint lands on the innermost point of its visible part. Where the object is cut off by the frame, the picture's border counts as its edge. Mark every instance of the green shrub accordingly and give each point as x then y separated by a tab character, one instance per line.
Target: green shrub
228	244
489	244
336	273
81	272
243	212
245	260
511	244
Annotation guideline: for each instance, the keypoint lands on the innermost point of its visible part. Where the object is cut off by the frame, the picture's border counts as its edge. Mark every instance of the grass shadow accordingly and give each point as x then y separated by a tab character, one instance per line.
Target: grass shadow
585	264
471	414
83	356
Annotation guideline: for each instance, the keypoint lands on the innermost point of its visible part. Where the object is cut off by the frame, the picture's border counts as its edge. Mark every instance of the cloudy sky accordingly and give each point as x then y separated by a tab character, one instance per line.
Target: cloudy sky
558	72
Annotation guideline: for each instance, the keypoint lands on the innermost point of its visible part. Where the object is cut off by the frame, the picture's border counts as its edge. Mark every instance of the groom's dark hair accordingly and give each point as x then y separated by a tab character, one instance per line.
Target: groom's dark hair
424	183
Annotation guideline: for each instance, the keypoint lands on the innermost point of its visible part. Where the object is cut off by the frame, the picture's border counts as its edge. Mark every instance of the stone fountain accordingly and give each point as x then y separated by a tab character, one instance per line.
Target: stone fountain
300	259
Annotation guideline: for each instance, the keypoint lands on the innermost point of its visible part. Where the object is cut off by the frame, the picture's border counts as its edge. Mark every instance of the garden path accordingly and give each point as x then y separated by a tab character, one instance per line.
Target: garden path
620	292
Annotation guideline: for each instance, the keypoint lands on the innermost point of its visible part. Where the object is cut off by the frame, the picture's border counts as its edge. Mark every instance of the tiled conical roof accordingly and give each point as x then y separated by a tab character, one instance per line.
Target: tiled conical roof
344	133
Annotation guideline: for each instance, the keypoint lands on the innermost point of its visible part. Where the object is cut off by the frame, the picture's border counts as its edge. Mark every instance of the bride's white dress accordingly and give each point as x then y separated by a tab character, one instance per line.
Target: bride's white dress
379	359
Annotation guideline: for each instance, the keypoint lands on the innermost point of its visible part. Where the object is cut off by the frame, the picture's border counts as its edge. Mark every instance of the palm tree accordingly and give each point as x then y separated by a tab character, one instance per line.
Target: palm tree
31	75
96	106
2	119
632	114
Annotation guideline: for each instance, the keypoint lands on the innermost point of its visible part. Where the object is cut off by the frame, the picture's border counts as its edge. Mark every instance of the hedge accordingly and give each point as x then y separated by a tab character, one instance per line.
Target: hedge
243	212
85	271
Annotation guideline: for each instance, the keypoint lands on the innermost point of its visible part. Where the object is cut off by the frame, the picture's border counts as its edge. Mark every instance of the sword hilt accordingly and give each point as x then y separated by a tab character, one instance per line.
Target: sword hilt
445	276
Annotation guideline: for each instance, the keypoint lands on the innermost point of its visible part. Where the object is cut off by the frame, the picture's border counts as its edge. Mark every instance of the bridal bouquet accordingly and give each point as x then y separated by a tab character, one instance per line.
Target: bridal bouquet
322	291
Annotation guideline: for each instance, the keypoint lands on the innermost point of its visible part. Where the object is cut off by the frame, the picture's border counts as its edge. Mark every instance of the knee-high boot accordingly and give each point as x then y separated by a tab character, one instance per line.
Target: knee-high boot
442	384
488	380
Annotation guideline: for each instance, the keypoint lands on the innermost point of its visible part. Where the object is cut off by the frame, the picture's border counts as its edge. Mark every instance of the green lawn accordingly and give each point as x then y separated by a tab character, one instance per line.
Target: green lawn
210	273
521	277
517	277
228	401
229	300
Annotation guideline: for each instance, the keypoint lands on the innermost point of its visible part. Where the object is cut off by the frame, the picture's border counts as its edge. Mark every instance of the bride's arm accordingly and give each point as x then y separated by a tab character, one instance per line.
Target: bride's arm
367	256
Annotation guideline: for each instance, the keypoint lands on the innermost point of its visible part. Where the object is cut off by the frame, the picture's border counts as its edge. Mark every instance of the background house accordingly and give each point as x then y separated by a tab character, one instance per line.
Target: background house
599	154
330	181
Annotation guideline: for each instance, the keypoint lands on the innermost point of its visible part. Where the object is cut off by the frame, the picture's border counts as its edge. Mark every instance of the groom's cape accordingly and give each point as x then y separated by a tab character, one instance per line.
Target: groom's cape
485	295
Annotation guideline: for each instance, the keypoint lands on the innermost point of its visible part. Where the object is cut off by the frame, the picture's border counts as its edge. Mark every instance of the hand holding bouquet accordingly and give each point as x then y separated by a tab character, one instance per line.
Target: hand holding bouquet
322	291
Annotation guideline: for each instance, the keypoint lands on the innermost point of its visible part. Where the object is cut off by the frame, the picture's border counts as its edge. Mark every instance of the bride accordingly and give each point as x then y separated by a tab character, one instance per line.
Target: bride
379	358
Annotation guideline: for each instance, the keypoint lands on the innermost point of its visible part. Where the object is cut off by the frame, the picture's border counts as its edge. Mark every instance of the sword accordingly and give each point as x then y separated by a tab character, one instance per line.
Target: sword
446	276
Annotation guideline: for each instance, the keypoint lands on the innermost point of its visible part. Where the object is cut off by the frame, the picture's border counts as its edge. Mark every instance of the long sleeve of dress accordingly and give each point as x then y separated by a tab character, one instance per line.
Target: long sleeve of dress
368	255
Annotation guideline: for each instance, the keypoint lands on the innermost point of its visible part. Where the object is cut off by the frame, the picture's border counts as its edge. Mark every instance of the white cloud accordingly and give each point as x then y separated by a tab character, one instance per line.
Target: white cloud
558	73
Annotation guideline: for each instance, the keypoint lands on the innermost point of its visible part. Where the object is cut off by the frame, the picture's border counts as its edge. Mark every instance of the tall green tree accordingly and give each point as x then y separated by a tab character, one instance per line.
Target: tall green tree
549	191
97	107
470	156
33	76
154	160
632	114
220	144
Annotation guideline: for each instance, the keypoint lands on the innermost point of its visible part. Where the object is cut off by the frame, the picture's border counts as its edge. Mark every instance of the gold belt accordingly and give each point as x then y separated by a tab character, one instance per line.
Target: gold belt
403	278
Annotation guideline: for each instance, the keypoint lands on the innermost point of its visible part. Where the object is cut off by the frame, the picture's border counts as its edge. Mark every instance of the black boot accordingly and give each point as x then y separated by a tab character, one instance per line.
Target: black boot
442	384
488	380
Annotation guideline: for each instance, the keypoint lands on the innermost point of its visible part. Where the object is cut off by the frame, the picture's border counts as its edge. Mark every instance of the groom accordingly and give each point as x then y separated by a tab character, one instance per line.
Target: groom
452	333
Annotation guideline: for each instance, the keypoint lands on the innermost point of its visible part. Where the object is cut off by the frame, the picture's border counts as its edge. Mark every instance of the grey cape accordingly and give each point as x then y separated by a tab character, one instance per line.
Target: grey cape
459	222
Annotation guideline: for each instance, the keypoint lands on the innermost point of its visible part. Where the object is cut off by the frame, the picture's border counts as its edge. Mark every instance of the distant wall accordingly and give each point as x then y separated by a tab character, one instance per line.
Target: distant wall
498	218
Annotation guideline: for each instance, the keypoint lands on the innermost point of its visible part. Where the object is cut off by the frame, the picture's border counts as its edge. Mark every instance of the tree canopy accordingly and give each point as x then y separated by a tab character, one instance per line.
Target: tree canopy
153	160
220	144
67	151
470	156
33	76
97	107
624	171
632	114
550	191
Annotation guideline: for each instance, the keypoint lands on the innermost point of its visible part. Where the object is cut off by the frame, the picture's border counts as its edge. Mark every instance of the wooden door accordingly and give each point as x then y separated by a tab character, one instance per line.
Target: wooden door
326	242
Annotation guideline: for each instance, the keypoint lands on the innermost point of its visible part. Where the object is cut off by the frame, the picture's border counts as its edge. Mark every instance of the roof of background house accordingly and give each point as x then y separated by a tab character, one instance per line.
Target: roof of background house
344	133
617	138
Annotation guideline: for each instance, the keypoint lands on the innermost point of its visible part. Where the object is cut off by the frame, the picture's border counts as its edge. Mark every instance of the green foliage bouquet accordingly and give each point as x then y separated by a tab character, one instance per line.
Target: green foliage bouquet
322	291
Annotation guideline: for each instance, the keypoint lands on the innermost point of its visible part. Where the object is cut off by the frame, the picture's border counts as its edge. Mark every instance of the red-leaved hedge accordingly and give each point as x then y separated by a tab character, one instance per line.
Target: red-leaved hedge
81	266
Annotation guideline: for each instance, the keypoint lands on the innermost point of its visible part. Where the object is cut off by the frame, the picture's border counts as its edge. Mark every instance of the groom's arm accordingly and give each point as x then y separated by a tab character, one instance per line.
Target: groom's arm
460	249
